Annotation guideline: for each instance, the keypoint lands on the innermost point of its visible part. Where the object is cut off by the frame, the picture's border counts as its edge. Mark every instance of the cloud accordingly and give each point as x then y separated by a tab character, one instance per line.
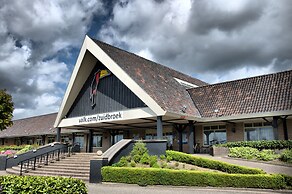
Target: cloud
206	37
33	34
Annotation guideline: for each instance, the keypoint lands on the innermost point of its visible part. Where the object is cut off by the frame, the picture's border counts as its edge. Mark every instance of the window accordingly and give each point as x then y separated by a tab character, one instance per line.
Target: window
65	139
258	131
17	141
118	138
51	139
214	134
79	139
39	141
97	140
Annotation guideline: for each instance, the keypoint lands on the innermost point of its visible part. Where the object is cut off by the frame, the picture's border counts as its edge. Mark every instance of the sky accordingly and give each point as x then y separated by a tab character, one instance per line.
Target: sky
214	40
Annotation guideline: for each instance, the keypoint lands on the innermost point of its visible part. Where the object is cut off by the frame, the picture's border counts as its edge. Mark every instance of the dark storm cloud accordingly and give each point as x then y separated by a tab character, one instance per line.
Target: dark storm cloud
220	38
32	34
206	16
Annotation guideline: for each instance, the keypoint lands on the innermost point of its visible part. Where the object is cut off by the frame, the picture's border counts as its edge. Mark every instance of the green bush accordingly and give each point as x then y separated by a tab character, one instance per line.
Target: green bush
162	157
155	165
122	163
212	164
133	164
267	155
145	159
37	184
139	149
252	153
288	180
264	144
136	158
286	156
168	158
155	176
12	147
152	160
243	152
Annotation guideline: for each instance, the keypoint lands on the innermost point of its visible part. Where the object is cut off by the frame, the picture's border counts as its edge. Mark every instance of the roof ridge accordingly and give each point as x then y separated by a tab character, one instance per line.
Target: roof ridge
30	117
242	79
156	63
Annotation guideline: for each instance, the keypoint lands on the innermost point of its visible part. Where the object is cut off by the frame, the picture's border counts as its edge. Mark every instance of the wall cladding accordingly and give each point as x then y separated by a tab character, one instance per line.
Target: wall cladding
112	95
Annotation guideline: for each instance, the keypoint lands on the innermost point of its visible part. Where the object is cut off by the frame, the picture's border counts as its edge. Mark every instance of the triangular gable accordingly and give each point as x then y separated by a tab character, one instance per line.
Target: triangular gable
103	92
89	54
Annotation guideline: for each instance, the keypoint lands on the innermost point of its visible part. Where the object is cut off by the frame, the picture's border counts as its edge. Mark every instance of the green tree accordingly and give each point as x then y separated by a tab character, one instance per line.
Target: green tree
6	110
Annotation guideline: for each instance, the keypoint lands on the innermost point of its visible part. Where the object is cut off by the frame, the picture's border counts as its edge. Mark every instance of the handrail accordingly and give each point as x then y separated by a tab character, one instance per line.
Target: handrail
43	158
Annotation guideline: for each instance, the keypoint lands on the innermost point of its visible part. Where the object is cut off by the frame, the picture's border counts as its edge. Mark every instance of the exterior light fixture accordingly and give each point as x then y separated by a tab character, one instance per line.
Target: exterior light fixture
184	108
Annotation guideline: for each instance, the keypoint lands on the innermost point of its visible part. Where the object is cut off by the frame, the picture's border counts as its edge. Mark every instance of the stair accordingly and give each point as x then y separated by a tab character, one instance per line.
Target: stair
76	166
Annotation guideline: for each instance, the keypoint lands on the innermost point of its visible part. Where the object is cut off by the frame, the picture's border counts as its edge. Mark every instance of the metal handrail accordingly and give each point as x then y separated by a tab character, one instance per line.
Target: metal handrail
43	158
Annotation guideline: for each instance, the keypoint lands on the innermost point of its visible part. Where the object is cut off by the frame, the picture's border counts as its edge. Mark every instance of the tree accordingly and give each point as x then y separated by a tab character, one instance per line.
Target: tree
6	110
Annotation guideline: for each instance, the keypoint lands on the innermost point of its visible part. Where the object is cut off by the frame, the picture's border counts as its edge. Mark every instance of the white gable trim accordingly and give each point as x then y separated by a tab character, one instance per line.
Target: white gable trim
80	74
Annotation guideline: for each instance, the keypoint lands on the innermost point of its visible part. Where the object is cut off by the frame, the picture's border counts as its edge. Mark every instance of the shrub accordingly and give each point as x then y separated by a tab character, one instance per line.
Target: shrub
288	180
154	176
139	149
145	158
152	160
122	163
286	156
267	155
133	164
168	158
155	165
212	164
162	157
252	153
37	184
264	144
163	164
136	158
243	152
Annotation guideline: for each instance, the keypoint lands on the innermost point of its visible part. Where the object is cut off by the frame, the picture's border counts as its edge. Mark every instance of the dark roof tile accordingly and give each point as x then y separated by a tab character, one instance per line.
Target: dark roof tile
260	94
38	125
157	80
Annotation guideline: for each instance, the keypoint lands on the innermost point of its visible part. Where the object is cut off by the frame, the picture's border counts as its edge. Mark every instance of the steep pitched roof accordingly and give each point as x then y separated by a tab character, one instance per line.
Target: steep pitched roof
38	125
157	80
267	93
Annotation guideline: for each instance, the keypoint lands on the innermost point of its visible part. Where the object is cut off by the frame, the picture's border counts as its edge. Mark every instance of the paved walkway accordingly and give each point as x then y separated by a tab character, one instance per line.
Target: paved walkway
114	188
269	168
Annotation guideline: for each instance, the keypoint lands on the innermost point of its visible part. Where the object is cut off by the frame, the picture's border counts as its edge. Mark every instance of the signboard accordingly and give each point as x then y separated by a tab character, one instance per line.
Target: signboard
94	84
101	117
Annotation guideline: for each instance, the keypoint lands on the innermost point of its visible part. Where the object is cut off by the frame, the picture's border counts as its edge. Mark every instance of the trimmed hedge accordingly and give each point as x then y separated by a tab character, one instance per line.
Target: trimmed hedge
264	144
38	184
212	164
154	176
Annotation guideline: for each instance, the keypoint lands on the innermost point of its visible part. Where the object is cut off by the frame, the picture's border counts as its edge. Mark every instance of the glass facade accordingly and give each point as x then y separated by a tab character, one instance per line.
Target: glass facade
258	131
79	139
97	140
215	134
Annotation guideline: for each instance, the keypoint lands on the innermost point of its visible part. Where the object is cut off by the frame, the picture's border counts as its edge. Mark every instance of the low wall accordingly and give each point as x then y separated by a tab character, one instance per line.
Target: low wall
219	151
155	147
13	161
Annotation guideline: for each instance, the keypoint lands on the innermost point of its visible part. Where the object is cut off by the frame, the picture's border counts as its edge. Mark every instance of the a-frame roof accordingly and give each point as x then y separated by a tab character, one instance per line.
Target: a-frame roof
154	84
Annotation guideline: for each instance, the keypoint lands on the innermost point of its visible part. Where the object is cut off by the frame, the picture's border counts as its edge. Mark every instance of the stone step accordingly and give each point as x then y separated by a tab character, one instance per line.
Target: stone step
55	170
64	164
77	168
